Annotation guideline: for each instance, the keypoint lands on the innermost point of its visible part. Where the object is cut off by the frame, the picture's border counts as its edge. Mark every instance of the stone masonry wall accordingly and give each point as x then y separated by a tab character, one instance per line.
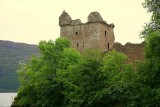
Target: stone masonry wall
133	51
94	34
79	35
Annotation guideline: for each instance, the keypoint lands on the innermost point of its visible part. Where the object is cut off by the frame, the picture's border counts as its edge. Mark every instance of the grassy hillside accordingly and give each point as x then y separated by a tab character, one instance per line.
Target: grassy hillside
10	55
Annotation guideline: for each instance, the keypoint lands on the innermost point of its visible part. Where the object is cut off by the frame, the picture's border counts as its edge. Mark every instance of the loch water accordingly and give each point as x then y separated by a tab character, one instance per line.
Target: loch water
6	99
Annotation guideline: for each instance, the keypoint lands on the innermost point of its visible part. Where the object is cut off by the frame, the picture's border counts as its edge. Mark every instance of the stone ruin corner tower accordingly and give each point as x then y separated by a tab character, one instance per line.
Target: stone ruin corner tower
94	34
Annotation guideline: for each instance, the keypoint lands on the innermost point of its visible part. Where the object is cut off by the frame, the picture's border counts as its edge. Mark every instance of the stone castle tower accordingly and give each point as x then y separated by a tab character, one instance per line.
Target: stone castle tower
94	34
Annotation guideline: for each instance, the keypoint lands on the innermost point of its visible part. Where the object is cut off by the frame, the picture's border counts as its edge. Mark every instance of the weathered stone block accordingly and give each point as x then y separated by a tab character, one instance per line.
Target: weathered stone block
133	51
64	19
94	16
76	22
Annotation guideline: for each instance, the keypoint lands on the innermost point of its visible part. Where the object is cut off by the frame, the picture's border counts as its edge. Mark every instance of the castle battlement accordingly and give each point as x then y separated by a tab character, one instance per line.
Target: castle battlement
94	17
94	34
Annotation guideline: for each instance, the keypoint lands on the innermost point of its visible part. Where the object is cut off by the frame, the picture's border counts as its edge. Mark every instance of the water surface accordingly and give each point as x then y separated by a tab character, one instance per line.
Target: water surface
6	99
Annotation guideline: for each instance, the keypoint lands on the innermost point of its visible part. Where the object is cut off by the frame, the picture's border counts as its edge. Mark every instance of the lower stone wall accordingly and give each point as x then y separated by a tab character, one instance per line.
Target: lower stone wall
133	51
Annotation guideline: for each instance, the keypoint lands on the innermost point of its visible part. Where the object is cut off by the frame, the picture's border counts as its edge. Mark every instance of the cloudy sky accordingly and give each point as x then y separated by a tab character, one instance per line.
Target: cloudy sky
30	21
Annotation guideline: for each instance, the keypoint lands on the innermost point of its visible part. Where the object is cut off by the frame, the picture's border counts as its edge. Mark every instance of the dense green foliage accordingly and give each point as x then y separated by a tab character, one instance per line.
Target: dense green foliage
153	7
11	54
149	69
61	76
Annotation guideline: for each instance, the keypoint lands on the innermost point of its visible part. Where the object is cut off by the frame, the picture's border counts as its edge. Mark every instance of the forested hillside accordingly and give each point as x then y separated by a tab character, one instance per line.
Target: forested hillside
11	54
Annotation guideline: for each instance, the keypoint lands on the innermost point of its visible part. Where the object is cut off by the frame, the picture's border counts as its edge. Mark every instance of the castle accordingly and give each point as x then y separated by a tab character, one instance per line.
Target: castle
95	34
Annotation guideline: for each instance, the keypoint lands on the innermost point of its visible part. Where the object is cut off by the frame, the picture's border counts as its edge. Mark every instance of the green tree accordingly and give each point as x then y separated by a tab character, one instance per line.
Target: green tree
85	80
149	70
39	79
62	77
152	47
102	80
153	7
121	80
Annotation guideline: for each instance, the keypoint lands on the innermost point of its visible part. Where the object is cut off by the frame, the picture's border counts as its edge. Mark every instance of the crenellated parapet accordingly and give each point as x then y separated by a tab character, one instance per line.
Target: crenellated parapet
94	17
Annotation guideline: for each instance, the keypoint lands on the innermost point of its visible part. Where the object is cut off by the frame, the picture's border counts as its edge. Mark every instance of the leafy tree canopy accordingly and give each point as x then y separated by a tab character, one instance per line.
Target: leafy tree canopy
61	76
153	6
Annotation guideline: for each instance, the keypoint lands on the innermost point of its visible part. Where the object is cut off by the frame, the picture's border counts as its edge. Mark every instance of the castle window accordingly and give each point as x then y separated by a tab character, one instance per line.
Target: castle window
76	33
105	33
77	45
108	46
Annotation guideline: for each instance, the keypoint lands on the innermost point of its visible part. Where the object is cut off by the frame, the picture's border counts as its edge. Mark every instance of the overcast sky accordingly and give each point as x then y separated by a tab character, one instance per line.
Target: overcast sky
30	21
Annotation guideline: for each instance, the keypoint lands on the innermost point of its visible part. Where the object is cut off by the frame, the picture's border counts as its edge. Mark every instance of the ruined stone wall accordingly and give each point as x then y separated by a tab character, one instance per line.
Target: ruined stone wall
106	38
94	34
133	51
82	36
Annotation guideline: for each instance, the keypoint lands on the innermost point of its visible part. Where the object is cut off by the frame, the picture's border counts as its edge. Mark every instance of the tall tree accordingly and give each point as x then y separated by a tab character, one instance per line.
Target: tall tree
149	70
39	79
153	7
152	47
121	80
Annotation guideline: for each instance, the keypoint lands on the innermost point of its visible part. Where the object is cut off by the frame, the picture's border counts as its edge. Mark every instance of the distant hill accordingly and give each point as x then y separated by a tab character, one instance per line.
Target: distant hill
10	55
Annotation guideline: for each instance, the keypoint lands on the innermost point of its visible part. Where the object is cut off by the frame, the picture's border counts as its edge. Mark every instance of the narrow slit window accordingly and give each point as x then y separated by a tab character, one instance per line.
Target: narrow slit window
76	33
105	33
77	45
108	46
